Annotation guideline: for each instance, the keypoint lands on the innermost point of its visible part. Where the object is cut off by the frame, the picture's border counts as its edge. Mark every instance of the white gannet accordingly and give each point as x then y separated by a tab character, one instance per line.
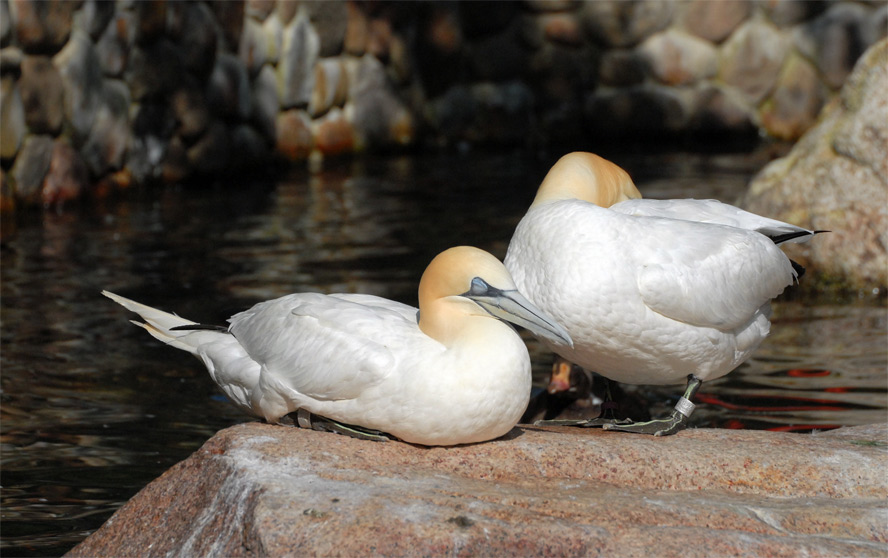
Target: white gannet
453	373
651	292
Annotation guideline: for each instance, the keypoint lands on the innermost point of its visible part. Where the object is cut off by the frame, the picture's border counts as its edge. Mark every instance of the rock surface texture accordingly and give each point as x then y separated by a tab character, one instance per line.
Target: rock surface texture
836	178
262	490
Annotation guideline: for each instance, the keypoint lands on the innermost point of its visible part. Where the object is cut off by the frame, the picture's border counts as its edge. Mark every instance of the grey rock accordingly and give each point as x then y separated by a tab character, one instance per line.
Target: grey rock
798	97
211	153
265	103
676	58
105	148
293	139
114	44
334	134
836	178
198	39
229	17
259	9
273	30
5	24
643	110
751	59
11	60
614	23
719	111
357	28
329	21
550	5
622	68
81	73
299	53
67	177
30	168
836	39
786	13
176	166
331	86
43	95
714	21
154	70
253	49
249	149
42	27
94	16
189	105
12	118
149	20
257	489
228	89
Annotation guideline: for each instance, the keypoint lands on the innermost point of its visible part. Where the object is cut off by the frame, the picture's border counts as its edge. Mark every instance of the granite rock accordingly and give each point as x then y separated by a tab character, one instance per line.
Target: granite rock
257	489
836	39
12	118
751	59
676	58
30	168
798	97
836	178
622	24
80	68
67	177
715	21
299	53
265	103
43	95
42	27
293	137
197	40
105	147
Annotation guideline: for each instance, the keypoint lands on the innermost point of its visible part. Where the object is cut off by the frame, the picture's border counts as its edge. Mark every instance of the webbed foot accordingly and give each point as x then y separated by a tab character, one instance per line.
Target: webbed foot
677	421
597	422
606	417
306	419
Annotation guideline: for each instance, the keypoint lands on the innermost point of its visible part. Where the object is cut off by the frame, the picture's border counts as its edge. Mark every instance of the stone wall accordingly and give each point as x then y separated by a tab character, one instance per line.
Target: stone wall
98	94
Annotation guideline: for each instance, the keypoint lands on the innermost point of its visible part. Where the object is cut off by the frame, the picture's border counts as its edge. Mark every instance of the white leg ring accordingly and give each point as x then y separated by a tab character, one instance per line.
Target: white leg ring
685	407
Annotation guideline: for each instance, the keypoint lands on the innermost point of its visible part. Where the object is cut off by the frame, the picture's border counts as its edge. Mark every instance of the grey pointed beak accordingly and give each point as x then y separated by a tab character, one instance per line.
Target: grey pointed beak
511	306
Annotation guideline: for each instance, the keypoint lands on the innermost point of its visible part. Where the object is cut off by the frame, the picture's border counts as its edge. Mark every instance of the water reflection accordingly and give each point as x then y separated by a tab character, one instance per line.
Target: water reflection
93	409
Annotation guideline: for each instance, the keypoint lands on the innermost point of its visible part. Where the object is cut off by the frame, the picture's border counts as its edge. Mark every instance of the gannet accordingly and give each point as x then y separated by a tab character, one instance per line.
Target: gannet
651	292
450	373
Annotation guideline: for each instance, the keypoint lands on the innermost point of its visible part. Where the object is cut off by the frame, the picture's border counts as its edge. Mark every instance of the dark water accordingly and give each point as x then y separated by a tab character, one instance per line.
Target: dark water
93	408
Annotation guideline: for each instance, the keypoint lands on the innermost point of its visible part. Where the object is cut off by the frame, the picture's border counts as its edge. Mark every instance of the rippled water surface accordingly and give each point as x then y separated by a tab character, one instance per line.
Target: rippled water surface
93	408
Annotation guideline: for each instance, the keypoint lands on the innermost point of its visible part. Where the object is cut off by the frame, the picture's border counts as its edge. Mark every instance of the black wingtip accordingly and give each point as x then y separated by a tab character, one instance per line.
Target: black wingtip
781	238
200	327
799	269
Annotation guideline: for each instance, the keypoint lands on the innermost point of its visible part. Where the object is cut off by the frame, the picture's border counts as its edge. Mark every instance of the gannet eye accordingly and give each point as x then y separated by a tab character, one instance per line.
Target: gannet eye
479	287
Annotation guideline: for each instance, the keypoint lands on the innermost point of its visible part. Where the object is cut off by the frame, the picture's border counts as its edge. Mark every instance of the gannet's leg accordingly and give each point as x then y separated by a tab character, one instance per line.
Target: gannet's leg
678	418
306	419
607	415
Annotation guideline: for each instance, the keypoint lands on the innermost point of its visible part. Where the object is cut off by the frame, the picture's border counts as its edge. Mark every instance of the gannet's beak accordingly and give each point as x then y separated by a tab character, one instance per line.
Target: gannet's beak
512	307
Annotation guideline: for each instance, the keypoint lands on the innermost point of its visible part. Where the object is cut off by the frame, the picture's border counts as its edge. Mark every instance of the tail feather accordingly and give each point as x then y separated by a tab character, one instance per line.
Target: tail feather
163	326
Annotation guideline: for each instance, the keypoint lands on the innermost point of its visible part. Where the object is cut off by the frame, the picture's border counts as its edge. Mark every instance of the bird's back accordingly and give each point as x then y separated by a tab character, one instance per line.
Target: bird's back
647	299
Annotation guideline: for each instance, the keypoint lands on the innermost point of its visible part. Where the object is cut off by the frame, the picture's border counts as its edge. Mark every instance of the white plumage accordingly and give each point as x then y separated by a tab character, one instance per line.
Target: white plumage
452	373
650	291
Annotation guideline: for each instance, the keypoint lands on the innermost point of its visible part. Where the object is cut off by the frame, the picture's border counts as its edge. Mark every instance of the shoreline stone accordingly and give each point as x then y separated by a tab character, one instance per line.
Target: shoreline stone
836	178
513	74
258	489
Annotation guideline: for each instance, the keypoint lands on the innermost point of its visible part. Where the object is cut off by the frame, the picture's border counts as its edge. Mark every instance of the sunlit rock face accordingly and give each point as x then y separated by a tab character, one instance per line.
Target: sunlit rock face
256	489
836	179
